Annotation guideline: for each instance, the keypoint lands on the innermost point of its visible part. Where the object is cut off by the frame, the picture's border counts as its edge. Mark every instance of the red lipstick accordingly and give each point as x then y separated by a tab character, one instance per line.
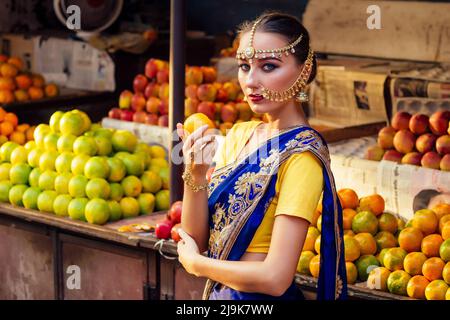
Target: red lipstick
255	97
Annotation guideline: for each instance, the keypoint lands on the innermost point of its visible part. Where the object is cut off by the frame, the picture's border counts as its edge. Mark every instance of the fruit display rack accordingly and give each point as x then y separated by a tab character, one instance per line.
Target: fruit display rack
150	134
119	265
38	111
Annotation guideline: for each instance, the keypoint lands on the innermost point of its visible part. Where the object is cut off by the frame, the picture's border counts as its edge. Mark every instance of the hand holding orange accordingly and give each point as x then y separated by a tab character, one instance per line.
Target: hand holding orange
197	120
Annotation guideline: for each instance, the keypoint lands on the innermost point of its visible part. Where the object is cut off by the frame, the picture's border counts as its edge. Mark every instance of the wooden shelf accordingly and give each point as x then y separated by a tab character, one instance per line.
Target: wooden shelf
167	247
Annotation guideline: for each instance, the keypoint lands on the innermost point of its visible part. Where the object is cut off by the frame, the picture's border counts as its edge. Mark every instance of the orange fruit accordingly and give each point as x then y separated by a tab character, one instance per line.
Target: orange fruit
314	266
35	93
351	248
366	243
380	255
17	62
426	221
349	198
442	221
441	210
21	95
413	263
365	221
430	245
444	250
23	127
365	264
319	223
12	118
7	84
446	273
401	224
398	282
6	128
310	239
436	290
2	114
315	217
304	261
18	137
8	70
6	96
3	139
349	233
432	268
319	206
373	203
352	272
30	133
388	222
317	245
195	121
410	239
385	239
347	218
38	80
51	90
23	81
393	258
378	278
446	230
416	287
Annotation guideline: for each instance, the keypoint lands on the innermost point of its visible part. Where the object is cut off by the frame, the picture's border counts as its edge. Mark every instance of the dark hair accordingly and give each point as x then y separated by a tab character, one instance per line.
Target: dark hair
422	199
290	27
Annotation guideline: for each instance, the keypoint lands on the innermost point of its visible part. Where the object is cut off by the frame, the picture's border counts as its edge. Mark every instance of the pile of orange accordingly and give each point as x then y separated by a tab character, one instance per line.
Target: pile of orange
17	84
11	130
411	259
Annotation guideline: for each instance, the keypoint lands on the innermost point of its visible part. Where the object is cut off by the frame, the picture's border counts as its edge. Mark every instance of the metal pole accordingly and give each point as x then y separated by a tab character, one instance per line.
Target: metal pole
176	103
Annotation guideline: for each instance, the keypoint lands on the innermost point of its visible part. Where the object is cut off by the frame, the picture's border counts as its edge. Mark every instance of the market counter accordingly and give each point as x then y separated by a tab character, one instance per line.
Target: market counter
43	256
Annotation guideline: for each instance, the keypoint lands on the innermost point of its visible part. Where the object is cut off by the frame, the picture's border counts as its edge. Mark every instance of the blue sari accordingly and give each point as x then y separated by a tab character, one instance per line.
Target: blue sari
239	195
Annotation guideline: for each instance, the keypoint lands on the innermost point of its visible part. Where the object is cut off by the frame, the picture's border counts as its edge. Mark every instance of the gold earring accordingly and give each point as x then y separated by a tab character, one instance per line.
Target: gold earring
302	97
245	98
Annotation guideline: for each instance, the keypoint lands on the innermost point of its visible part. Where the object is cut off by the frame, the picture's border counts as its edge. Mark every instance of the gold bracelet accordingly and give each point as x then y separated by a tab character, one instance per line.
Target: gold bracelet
187	177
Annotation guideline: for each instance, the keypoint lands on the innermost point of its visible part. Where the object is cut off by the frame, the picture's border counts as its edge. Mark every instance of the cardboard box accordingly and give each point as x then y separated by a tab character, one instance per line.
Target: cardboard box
19	46
68	63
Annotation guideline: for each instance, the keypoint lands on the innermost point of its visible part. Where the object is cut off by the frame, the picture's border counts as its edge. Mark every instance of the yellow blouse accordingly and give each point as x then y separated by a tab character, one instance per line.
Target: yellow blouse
298	187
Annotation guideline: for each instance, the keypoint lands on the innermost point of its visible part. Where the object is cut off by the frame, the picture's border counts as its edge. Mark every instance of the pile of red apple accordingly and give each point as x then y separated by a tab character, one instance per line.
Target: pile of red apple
149	101
415	139
221	102
168	228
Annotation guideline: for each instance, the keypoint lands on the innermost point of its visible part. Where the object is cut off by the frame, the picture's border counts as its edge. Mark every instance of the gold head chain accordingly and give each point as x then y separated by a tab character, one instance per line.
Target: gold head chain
296	89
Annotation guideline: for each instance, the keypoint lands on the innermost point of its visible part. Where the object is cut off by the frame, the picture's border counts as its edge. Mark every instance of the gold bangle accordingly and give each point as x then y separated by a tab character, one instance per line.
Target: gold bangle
187	177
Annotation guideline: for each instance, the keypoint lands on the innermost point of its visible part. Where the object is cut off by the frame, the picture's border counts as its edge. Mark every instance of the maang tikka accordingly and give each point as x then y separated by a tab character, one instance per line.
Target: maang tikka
296	89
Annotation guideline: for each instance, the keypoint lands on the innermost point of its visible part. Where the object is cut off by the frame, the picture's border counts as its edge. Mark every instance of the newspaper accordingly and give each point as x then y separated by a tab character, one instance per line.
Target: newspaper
347	97
425	90
357	174
405	188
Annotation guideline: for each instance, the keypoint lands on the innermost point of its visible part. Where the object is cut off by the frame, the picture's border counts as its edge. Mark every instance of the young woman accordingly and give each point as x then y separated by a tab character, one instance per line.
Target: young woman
254	214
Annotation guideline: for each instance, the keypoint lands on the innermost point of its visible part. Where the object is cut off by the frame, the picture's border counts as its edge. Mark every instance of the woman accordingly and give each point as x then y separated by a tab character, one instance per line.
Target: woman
254	214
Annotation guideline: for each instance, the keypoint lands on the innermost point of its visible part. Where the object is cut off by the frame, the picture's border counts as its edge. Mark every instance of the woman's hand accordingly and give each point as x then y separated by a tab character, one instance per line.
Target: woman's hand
188	252
198	149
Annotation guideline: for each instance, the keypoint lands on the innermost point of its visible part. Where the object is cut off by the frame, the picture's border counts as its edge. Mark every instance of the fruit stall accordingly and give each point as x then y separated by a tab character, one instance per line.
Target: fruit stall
90	190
